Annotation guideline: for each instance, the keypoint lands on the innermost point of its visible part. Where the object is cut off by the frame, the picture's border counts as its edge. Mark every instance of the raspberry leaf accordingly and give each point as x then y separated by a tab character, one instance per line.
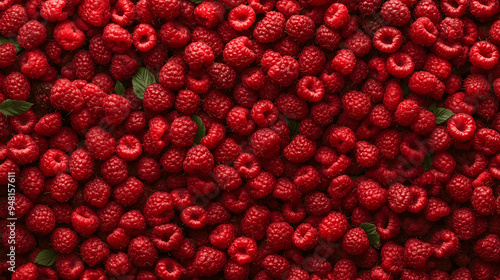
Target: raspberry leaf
201	132
442	114
12	41
119	88
196	1
428	162
12	108
293	126
370	230
46	257
141	79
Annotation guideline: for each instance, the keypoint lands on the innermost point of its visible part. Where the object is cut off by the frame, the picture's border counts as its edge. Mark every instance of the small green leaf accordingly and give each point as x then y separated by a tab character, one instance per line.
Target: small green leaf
119	88
12	41
201	132
433	108
293	126
196	1
46	257
141	79
428	162
12	108
443	114
371	232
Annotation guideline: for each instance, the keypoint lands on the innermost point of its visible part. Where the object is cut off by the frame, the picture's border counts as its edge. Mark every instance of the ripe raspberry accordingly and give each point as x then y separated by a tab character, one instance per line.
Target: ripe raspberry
116	108
446	243
463	222
477	85
16	86
31	35
26	271
94	12
209	14
356	104
68	36
129	191
300	28
97	192
40	220
394	12
417	253
300	149
100	143
22	149
271	28
459	188
63	187
366	154
198	160
141	252
355	241
198	54
93	251
371	195
487	248
333	226
209	261
483	200
344	62
167	268
241	18
12	19
275	265
387	39
84	221
118	264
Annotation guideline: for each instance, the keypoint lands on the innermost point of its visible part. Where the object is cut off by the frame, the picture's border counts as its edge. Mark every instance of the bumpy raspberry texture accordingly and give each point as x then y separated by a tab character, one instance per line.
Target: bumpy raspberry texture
258	139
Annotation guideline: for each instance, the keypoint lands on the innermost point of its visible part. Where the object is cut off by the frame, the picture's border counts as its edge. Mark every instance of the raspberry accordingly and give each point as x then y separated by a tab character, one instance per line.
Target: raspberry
300	28
217	104
387	39
118	264
26	271
129	191
487	248
209	13
336	16
65	96
116	108
344	62
484	55
355	241
483	200
222	75
463	222
394	12
417	252
16	86
7	54
63	187
300	149
68	36
198	54
366	154
141	252
40	220
96	192
333	226
241	18
356	104
12	19
459	188
275	265
209	37
22	149
93	251
484	9
84	221
167	268
436	209
100	143
157	98
209	261
270	28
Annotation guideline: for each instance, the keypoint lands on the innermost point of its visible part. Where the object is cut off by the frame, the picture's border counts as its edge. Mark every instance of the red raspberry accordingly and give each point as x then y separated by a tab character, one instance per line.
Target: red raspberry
198	54
459	188
279	236
157	98
424	123
66	96
477	85
172	76
285	71
167	237
484	55
209	261
7	54
483	200
99	51
463	222
436	209
446	243
336	16
116	108
198	160
355	241
167	268
183	132
344	62
356	104
117	38
123	12
95	12
487	248
141	252
222	75
129	191
209	14
40	220
64	240
417	252
31	35
144	37
93	251
83	65
333	226
118	264
392	256
271	28
276	265
97	192
484	9
129	148
300	149
26	271
100	143
394	12
16	86
174	34
68	36
114	170
222	236
371	195
209	37
63	187
422	83
300	28
22	149
84	221
423	32
387	39
12	19
366	154
109	216
241	18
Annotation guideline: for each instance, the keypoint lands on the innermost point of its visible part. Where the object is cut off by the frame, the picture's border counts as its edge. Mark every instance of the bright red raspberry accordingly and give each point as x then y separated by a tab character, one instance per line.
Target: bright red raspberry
209	261
84	220
68	36
94	251
271	28
40	220
356	104
333	226
395	12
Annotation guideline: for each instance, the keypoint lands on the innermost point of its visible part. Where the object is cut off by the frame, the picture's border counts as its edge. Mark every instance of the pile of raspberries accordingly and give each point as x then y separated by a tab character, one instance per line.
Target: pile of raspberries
258	139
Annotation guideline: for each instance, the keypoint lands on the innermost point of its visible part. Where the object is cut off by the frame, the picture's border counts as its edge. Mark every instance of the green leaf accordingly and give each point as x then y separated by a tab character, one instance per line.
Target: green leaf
12	41
119	88
371	232
196	1
443	114
141	79
428	162
201	132
12	108
293	126
433	108
46	257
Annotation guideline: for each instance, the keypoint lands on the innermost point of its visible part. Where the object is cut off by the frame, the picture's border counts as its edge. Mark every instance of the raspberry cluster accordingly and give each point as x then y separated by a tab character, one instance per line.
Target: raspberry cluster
257	139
